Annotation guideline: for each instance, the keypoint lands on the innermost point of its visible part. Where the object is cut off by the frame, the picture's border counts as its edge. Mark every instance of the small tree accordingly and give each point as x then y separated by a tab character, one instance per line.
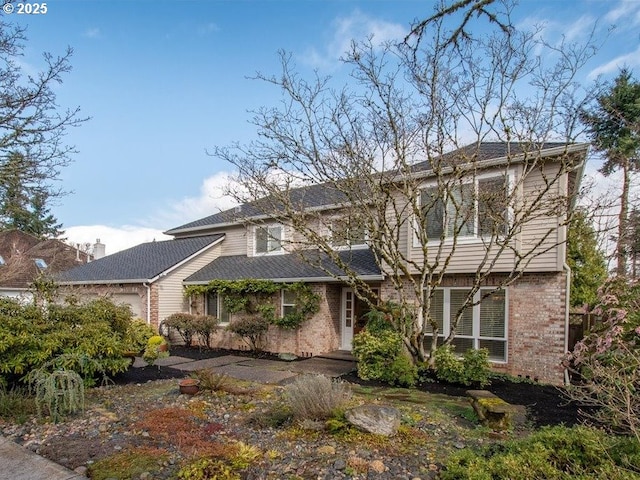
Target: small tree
608	360
586	260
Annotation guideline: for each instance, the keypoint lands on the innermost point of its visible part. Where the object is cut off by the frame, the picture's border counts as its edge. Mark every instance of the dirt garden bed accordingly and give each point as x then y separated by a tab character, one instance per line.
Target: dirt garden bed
143	428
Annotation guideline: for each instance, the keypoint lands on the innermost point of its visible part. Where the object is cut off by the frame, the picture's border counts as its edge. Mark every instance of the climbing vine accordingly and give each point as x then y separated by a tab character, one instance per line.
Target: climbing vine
255	297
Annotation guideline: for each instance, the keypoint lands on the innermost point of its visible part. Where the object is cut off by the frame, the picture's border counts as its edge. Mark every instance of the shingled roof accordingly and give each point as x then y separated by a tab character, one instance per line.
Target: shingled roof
138	264
314	196
287	267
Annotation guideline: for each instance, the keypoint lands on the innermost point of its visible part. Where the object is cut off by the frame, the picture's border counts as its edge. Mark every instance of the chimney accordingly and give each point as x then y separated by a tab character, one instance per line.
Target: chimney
98	250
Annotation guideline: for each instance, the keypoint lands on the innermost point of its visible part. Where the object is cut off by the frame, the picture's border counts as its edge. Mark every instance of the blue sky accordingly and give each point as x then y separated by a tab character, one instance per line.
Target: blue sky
165	80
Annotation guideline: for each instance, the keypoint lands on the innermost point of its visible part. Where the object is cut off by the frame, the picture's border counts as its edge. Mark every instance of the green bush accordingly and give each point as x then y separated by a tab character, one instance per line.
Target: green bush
157	347
86	338
380	357
137	335
472	368
250	329
552	452
184	324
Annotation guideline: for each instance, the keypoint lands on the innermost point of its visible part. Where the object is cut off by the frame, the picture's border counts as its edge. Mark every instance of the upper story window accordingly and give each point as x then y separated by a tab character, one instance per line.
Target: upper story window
268	239
214	305
346	233
477	208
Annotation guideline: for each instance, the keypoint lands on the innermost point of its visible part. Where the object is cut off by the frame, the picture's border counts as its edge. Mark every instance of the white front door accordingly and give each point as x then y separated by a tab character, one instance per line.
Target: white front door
348	316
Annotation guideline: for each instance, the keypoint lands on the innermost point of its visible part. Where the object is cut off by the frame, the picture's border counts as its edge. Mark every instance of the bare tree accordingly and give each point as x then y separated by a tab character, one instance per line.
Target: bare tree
377	152
32	125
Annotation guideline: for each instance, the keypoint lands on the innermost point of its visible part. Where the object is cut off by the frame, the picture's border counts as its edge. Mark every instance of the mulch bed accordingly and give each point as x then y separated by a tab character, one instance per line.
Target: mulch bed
546	404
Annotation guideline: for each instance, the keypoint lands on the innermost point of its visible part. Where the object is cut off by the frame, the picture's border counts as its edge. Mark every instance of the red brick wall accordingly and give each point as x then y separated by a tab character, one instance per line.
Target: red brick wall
536	323
320	334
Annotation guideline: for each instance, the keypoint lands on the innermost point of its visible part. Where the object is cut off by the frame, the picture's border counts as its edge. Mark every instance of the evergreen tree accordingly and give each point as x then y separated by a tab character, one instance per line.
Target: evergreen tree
587	261
614	127
23	201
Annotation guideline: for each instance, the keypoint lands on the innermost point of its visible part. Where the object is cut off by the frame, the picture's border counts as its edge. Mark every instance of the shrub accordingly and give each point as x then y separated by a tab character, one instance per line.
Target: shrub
137	335
552	452
58	393
87	338
472	368
157	347
316	397
380	357
16	404
608	360
184	324
251	329
204	326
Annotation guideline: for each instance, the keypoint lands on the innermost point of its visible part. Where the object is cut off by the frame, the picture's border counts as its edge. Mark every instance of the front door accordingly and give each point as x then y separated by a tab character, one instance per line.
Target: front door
354	316
348	316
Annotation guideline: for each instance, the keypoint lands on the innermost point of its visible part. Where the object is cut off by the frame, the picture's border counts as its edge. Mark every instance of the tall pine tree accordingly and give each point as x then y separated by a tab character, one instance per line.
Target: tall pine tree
614	127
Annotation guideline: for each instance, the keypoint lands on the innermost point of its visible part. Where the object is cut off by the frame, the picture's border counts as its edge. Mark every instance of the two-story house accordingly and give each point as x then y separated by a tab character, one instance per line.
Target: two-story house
523	323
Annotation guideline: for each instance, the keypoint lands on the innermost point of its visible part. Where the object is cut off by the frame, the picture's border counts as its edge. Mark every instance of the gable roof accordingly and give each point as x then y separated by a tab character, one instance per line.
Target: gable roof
19	250
325	195
287	268
139	264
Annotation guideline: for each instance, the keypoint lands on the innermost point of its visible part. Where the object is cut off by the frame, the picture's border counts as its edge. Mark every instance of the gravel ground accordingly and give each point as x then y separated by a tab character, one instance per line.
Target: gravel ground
144	412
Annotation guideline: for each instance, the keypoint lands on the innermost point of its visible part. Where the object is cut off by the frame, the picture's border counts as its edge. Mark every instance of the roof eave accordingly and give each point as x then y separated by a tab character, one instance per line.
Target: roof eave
364	278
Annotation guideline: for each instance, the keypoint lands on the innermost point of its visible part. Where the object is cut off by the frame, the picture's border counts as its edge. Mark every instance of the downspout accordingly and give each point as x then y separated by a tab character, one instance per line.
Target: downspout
567	268
148	287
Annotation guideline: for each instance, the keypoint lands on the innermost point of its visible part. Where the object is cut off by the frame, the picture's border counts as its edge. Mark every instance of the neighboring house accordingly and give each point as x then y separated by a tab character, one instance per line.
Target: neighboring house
148	277
25	258
524	325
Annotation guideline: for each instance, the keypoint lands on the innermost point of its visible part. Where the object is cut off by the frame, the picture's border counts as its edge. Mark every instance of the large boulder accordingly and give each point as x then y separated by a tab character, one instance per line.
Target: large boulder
376	419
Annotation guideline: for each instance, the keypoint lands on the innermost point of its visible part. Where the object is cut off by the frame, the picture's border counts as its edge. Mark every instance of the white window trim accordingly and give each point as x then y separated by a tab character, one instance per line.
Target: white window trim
475	336
267	226
466	239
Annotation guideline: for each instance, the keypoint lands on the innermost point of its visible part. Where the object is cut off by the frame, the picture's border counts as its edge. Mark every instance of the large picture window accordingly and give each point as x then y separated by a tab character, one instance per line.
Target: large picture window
268	239
481	326
473	209
215	306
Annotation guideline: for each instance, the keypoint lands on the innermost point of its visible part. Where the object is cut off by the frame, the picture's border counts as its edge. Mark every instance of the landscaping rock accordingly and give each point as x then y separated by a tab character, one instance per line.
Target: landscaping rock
492	410
377	419
289	357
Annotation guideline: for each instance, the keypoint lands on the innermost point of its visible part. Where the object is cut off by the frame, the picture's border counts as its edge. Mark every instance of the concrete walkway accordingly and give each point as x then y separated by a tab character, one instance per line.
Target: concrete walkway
19	463
260	370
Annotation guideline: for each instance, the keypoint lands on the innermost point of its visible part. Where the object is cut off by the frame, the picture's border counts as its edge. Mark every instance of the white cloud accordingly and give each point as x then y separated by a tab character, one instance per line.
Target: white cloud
212	199
358	26
630	60
93	32
625	10
114	238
